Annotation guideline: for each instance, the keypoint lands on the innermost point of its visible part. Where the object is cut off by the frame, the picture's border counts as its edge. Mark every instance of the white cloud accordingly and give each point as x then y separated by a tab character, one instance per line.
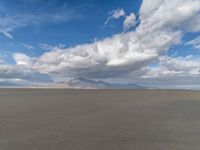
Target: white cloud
185	65
22	59
48	47
6	33
13	74
161	25
115	14
9	23
172	72
125	52
129	22
1	61
175	67
28	46
195	42
166	15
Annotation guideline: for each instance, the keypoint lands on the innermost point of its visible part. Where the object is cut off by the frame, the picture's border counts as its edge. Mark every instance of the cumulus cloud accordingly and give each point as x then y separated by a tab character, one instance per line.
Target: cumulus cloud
129	22
124	52
22	59
128	52
174	67
115	14
15	75
161	15
119	54
172	72
187	65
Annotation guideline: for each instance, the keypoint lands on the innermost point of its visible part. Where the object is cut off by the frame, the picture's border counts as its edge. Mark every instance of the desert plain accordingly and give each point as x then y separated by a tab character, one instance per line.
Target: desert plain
69	119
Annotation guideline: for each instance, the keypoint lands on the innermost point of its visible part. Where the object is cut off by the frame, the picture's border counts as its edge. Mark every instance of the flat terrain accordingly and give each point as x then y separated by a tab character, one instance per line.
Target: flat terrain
44	119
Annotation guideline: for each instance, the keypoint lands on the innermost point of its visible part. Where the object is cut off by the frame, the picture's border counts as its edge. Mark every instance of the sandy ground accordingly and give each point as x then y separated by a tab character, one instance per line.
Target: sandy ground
43	119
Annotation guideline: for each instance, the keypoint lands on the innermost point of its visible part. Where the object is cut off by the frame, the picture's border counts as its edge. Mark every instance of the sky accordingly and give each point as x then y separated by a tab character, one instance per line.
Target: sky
152	43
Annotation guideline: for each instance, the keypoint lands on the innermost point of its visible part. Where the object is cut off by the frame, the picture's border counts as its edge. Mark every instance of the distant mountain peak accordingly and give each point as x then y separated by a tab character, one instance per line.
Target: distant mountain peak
81	82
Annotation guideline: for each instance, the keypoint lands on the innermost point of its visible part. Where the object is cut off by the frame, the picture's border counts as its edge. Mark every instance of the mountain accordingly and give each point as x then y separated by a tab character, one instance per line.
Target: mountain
89	84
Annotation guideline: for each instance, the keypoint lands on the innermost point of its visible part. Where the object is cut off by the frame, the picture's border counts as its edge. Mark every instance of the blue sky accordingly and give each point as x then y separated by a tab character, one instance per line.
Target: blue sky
75	24
114	41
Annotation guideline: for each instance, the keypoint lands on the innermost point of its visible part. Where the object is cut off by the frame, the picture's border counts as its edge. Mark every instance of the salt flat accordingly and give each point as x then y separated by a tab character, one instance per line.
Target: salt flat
64	119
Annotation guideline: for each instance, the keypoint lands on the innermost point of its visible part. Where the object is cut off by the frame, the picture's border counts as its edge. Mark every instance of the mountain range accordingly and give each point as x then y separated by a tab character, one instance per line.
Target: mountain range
89	84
